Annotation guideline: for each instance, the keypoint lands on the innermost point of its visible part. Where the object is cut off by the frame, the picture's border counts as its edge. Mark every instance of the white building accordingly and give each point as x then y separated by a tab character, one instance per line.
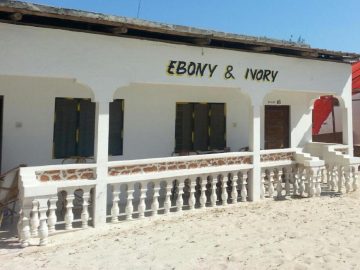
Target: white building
173	91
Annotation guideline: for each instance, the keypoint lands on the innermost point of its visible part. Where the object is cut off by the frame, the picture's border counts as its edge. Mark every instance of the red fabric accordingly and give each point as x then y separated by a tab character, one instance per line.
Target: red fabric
322	109
356	78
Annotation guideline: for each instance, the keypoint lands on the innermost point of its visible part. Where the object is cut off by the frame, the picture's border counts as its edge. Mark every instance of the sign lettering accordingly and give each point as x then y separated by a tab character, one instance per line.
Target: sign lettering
192	69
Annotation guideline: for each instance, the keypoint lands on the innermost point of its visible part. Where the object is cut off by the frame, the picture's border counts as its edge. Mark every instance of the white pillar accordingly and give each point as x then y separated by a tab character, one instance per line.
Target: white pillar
254	145
347	128
347	117
101	155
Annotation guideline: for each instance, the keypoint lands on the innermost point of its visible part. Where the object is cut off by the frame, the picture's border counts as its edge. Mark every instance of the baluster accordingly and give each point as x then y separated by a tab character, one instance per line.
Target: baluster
85	209
347	179
43	229
203	192
224	194
328	175
331	178
262	185
69	216
312	179
271	184
142	205
234	192
287	181
307	180
243	192
279	187
319	180
129	201
340	178
167	202
19	223
115	206
213	196
302	175
180	200
25	225
295	178
155	202
34	221
354	177
192	199
52	214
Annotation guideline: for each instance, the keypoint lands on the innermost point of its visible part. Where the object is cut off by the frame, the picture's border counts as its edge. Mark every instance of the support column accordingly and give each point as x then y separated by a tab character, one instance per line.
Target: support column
101	155
347	128
254	145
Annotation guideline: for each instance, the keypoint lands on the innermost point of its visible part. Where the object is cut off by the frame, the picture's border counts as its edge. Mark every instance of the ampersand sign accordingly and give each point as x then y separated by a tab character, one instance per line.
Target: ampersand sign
228	74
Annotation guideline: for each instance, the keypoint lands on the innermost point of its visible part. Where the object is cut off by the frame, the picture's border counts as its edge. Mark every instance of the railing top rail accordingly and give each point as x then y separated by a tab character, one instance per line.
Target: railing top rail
34	169
178	173
279	163
178	158
276	151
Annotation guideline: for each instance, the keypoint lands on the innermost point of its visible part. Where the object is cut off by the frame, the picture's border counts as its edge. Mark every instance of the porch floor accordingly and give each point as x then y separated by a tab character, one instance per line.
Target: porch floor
316	233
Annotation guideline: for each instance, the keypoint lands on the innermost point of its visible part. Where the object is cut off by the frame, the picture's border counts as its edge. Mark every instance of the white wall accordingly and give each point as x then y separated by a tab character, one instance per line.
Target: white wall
149	121
28	123
138	69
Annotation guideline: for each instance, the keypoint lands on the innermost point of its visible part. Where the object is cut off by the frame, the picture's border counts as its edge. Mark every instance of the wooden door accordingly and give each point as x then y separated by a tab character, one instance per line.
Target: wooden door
277	123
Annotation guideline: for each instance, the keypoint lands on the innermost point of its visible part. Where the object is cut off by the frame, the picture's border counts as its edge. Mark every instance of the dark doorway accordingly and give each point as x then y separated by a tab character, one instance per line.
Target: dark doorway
277	123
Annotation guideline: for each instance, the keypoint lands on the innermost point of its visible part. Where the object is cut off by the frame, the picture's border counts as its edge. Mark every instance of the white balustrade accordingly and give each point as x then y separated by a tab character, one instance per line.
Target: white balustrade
69	215
180	200
279	187
34	221
192	199
52	218
271	189
142	206
262	185
234	192
224	194
167	202
243	192
115	210
129	205
287	181
43	229
85	211
155	202
203	192
340	177
354	177
213	196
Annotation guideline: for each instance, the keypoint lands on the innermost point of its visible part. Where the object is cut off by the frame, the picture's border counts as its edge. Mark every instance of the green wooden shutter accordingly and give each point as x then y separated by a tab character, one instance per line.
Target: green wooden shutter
217	126
201	133
116	125
183	127
65	127
86	128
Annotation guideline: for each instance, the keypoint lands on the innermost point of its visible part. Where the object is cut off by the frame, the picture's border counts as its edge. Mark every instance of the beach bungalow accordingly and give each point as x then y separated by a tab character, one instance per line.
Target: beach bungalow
119	118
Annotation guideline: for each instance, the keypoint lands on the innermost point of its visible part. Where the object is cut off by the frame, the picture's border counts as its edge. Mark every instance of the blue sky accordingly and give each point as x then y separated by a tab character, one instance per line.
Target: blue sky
327	24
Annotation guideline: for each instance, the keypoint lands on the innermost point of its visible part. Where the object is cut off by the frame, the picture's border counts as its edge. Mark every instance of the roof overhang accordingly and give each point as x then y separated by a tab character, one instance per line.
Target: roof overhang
22	13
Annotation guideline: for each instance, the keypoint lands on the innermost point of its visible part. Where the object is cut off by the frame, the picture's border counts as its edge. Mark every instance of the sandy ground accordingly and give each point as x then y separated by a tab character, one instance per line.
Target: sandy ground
319	233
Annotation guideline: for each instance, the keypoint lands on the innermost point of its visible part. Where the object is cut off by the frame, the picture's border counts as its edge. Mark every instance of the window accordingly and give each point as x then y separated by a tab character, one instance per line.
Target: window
74	127
200	127
116	127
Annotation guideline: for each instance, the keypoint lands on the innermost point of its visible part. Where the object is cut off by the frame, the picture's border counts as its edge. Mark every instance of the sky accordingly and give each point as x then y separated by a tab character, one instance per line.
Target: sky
326	24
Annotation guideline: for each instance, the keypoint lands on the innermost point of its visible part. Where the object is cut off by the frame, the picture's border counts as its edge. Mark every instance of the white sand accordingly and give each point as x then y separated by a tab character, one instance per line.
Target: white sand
319	233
